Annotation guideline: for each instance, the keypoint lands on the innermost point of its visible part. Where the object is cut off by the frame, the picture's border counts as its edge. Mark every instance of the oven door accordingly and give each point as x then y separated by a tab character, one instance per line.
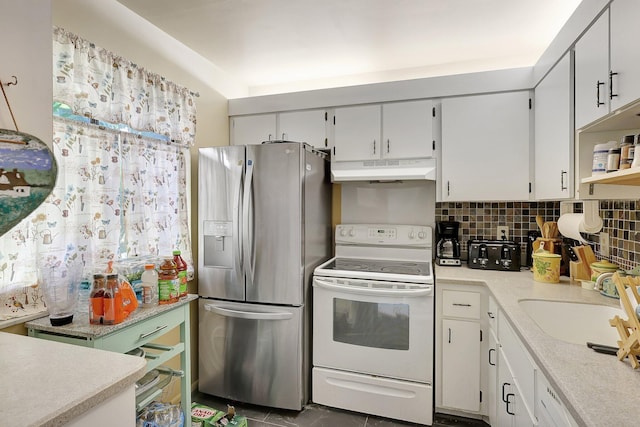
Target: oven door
374	327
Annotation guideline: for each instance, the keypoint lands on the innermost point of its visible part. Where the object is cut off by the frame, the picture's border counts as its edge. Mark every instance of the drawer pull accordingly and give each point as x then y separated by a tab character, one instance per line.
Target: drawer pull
157	347
148	334
459	304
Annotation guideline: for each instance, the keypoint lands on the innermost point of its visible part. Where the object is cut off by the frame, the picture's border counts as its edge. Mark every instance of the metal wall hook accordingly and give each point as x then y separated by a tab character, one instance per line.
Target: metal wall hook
14	82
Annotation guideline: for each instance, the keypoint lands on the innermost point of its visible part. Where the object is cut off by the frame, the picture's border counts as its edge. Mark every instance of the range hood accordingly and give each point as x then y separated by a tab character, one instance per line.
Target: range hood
383	170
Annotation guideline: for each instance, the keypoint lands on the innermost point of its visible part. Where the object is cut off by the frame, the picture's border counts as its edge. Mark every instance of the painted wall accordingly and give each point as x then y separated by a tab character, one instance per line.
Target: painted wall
26	53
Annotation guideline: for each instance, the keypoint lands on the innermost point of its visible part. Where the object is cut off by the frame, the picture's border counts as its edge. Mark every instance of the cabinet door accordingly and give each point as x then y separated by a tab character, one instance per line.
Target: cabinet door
407	130
625	55
492	377
485	147
253	129
461	365
592	68
357	133
505	402
304	126
554	134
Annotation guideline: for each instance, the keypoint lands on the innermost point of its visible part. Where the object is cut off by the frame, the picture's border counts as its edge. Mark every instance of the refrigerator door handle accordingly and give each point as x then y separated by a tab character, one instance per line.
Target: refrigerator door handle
363	290
247	221
238	232
252	315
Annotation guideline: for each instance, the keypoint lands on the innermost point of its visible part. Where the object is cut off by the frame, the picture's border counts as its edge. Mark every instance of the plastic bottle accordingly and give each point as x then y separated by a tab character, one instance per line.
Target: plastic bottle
168	283
182	272
96	302
149	286
113	309
600	155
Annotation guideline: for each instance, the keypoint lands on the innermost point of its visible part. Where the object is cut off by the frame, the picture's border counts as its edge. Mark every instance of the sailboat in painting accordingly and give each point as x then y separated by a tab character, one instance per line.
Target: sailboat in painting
27	176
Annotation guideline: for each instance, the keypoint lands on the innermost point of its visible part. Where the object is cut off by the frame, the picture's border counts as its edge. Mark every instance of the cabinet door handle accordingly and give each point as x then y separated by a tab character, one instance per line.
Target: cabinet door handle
459	304
374	146
562	174
448	188
449	335
491	350
491	315
504	398
611	94
507	402
148	334
598	84
388	145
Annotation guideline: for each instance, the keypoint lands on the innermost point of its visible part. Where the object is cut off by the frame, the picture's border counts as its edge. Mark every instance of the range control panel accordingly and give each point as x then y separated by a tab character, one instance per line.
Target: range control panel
384	234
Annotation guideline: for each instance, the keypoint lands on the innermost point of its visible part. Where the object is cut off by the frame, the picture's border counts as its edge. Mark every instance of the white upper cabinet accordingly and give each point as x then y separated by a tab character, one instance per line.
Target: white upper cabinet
625	54
554	133
357	132
592	73
485	147
400	130
407	129
607	63
308	126
304	126
252	129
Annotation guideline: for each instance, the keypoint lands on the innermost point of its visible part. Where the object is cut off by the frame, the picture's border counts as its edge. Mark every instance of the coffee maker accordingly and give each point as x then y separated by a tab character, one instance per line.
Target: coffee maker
448	246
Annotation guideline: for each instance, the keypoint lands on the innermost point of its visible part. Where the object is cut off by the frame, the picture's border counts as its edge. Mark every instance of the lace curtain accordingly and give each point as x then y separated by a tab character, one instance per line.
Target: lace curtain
122	148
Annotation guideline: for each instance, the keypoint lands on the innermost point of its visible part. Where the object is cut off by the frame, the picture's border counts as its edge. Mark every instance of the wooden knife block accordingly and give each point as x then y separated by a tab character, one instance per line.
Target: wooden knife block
581	269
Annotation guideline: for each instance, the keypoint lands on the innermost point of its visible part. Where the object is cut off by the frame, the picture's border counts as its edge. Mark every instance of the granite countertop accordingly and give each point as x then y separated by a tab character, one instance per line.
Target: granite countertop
47	383
80	327
597	389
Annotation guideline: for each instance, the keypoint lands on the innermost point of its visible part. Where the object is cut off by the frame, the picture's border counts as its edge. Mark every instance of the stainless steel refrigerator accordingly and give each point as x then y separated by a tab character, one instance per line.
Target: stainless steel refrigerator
264	214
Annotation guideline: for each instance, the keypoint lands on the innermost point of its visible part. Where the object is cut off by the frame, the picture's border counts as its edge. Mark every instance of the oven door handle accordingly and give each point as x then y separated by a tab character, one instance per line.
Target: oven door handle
420	292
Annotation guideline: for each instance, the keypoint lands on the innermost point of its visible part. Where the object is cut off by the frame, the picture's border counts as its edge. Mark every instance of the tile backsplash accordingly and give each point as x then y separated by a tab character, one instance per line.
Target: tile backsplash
479	220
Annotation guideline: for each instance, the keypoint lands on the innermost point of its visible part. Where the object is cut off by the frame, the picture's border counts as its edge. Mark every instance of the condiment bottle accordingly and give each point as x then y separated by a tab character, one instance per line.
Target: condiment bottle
149	286
113	309
96	300
182	272
168	283
626	151
613	159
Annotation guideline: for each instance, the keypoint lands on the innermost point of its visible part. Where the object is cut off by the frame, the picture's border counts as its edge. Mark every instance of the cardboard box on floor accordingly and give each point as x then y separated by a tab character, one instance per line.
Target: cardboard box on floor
204	416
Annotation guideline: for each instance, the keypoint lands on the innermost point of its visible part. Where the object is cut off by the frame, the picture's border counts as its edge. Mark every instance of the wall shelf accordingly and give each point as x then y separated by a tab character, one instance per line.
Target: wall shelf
621	177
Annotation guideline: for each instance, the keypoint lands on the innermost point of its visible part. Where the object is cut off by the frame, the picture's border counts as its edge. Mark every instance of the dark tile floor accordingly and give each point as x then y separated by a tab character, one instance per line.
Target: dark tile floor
314	415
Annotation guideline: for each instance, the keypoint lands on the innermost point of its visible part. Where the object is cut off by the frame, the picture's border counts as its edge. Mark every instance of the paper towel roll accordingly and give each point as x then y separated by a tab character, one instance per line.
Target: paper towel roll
571	224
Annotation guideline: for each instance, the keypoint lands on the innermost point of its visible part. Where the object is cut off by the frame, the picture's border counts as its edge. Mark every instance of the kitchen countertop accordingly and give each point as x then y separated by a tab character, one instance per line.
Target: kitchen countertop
47	383
597	389
80	327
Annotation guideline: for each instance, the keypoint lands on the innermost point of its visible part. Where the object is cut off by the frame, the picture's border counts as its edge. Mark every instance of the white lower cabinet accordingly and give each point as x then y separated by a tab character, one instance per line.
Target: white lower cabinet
483	369
460	367
459	384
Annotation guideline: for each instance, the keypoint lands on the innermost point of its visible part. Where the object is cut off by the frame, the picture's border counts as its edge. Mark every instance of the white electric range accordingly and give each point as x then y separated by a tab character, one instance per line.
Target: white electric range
373	317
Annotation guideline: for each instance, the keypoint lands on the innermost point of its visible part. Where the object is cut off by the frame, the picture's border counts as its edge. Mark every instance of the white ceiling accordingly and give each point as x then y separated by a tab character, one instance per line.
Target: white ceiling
285	45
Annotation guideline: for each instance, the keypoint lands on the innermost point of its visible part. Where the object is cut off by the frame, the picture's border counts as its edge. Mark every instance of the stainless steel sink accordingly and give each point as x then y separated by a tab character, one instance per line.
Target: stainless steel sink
574	322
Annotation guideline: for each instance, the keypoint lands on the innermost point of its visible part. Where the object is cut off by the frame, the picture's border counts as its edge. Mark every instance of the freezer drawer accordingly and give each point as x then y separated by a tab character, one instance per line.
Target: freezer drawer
252	353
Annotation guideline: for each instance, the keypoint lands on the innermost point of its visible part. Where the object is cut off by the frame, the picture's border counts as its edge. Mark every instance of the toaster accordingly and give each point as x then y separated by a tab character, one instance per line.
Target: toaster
501	255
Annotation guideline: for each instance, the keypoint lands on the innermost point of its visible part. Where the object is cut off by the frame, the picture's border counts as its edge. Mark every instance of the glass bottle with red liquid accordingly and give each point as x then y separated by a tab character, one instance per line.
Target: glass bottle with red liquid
96	299
113	307
182	272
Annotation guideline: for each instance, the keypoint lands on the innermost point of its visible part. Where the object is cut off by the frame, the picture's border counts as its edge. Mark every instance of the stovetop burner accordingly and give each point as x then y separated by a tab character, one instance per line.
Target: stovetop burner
380	266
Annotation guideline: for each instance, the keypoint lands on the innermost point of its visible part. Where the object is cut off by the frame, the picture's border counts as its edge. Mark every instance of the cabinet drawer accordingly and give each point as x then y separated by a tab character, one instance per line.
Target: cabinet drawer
142	332
461	304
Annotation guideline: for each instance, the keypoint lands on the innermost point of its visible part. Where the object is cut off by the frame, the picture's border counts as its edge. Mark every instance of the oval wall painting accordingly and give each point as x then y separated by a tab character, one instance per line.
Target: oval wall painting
28	173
